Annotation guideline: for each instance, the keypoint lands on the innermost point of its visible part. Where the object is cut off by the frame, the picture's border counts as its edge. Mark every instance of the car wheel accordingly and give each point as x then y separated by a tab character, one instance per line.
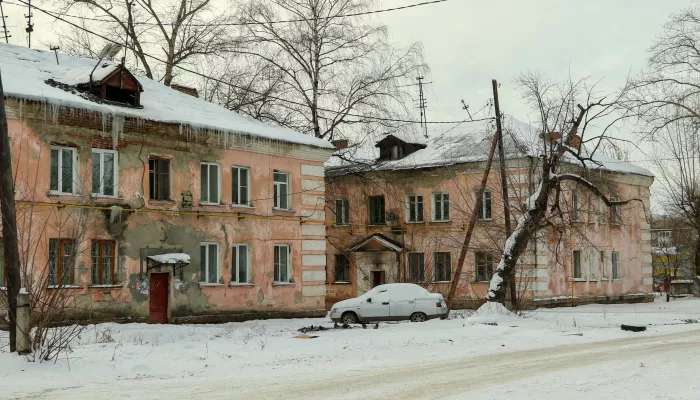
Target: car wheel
349	318
418	317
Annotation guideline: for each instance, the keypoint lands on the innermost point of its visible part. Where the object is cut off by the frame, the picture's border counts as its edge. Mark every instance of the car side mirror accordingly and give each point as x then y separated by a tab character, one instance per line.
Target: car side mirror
369	300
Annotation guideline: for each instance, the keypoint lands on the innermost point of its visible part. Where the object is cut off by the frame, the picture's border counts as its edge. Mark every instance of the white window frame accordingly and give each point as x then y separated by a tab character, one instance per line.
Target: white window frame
603	265
278	197
580	264
218	183
102	152
592	257
237	169
60	149
289	263
445	210
342	212
418	200
619	266
204	280
483	204
576	208
235	271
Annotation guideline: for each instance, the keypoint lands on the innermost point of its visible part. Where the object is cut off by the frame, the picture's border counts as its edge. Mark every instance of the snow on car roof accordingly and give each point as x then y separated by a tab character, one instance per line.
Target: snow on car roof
25	72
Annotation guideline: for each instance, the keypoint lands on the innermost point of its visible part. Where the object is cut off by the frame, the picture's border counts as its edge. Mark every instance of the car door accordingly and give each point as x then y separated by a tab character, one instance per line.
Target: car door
402	305
376	307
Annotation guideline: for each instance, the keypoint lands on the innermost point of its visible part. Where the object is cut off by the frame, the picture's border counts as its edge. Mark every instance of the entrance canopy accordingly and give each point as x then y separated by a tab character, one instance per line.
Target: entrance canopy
377	242
177	260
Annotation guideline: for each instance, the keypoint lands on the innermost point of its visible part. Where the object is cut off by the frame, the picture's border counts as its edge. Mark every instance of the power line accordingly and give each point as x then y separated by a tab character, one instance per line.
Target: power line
363	118
425	3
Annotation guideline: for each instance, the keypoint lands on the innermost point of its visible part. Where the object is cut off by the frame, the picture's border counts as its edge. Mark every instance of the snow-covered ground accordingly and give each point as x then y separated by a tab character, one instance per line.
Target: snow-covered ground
572	353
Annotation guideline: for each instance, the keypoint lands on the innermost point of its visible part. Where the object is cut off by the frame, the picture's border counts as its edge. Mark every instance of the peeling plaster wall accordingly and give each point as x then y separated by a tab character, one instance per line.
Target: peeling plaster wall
171	224
544	266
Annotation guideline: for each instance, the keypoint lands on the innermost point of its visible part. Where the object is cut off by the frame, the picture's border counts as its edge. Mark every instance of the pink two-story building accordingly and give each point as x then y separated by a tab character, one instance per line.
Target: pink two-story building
146	203
399	208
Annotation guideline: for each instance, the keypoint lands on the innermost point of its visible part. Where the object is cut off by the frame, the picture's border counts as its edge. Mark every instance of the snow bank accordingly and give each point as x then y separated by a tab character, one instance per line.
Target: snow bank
491	313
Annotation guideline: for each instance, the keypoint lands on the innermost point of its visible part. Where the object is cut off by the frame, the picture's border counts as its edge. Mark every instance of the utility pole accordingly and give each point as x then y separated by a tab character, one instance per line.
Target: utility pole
422	106
504	181
30	26
472	222
4	25
9	221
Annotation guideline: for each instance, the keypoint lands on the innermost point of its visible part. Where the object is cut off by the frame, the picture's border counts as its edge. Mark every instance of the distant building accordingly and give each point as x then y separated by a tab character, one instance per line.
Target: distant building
398	208
147	203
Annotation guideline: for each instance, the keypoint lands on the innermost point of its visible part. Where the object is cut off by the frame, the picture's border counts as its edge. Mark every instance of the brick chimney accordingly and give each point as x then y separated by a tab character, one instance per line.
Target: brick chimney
186	90
575	142
340	144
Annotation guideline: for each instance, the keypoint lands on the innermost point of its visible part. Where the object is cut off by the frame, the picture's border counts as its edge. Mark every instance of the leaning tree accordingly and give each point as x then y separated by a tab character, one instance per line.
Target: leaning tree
568	113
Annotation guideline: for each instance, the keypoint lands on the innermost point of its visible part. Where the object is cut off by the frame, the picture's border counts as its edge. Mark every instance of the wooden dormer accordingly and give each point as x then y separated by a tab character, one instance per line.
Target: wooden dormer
119	86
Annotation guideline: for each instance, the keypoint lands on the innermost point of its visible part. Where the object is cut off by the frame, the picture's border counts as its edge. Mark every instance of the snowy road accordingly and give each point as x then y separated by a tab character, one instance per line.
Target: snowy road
621	365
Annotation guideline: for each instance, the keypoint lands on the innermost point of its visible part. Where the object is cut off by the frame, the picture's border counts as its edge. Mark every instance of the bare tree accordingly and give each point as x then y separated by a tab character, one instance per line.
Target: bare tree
176	32
563	122
329	61
665	101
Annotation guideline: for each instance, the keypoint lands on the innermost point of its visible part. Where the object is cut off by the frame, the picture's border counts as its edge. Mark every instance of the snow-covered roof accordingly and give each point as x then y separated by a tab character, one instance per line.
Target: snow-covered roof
664	251
469	142
25	72
171	258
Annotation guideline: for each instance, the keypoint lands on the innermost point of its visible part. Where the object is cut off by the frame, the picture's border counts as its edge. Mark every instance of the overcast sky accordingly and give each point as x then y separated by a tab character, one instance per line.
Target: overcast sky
468	42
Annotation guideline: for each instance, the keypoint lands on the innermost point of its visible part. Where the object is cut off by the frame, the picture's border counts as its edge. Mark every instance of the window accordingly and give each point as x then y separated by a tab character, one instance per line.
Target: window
282	191
210	184
616	270
443	266
415	208
376	210
104	172
102	254
159	179
282	255
416	267
615	213
3	271
578	261
576	205
591	266
441	206
209	263
601	211
240	263
63	162
342	268
240	192
603	266
61	259
342	212
485	210
484	266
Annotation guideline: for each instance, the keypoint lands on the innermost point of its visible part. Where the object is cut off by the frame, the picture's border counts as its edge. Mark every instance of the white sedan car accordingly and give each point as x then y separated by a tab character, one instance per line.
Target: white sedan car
391	302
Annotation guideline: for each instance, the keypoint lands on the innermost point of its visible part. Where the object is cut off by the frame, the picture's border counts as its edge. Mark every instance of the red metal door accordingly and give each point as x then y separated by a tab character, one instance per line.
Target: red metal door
158	294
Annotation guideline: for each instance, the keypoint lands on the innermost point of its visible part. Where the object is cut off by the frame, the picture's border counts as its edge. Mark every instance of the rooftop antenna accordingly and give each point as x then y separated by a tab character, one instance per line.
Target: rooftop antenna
4	27
55	50
109	51
30	26
422	106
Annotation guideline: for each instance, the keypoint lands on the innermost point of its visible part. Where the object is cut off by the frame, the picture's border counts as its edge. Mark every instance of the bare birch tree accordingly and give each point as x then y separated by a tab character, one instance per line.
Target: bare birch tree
329	60
177	31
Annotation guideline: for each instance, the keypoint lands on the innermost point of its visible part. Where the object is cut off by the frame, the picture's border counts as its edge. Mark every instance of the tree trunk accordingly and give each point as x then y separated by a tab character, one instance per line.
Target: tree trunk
697	256
9	222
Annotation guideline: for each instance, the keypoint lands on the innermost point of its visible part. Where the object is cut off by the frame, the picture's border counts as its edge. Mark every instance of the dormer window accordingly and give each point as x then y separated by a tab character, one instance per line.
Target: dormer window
115	84
393	148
